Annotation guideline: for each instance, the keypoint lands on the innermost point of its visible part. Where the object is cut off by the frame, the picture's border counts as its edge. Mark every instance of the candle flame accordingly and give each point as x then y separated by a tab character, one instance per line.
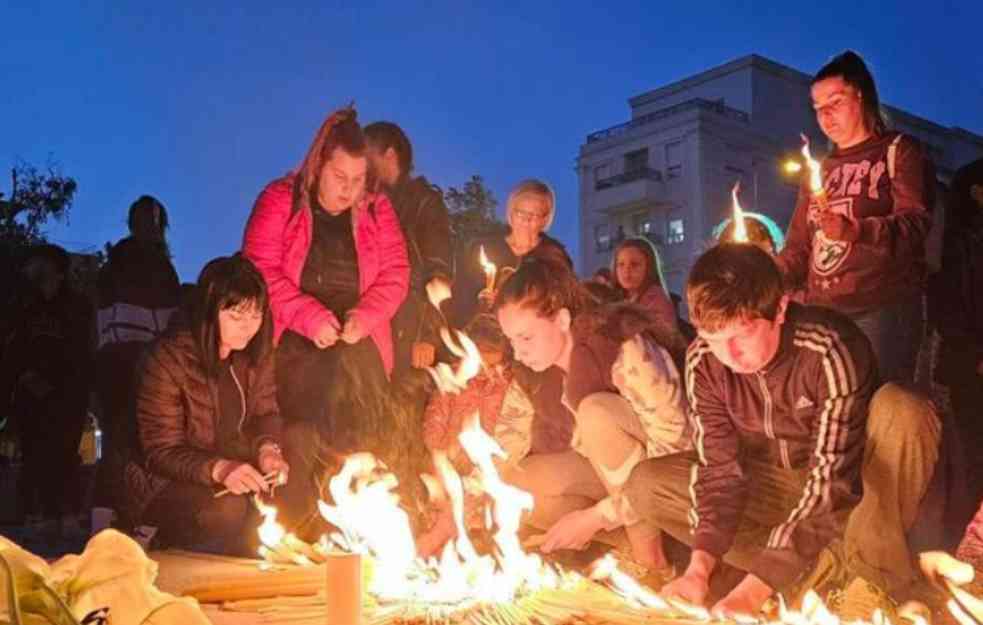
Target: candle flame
486	264
740	228
489	268
815	169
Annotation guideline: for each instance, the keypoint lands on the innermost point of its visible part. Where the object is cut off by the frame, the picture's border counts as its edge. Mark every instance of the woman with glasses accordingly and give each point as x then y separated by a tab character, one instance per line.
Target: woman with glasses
860	248
529	211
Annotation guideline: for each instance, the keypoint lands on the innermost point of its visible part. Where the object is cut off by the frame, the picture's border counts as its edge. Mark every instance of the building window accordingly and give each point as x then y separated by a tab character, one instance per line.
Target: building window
675	233
601	172
637	161
642	224
602	238
674	159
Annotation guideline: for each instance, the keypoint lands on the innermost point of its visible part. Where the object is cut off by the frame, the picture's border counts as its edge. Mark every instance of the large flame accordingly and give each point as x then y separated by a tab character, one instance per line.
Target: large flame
438	291
453	380
740	228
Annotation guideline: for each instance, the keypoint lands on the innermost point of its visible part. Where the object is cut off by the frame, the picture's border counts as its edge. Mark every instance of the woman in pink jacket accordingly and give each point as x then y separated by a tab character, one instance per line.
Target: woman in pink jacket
334	260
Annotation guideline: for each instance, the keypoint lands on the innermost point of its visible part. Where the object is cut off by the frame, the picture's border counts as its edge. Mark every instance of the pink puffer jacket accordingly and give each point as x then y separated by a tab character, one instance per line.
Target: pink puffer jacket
277	242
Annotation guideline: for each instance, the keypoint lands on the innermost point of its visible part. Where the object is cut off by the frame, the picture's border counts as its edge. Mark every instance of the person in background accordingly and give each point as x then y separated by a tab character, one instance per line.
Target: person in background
137	293
792	481
638	273
207	416
958	303
334	259
426	228
862	251
45	377
621	376
529	211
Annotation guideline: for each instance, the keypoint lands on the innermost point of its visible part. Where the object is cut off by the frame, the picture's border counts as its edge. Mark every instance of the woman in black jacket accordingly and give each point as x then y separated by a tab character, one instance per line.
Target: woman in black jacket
207	414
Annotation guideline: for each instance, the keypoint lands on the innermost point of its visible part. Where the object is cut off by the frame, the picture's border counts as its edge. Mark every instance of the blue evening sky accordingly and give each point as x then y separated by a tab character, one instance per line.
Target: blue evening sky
202	103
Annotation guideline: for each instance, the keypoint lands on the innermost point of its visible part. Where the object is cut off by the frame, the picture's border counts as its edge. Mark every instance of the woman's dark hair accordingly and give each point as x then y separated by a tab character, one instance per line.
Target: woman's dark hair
147	209
229	282
339	130
653	269
546	287
384	135
853	70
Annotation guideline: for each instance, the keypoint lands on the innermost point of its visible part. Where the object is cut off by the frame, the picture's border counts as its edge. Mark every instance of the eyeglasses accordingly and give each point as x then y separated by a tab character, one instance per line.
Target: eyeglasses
531	217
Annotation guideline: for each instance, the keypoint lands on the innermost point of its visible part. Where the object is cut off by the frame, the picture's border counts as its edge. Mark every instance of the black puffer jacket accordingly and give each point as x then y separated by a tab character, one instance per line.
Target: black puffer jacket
177	411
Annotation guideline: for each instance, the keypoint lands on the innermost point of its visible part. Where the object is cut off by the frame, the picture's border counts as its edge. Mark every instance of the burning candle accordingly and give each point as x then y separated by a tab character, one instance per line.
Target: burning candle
489	268
343	588
815	175
740	229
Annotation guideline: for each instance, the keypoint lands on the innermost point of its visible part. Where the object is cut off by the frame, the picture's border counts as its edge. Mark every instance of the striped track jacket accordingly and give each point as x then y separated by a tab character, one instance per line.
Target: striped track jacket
806	410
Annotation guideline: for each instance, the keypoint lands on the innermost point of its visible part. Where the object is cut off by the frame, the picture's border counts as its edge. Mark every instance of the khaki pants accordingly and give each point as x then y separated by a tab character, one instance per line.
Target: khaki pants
611	444
903	434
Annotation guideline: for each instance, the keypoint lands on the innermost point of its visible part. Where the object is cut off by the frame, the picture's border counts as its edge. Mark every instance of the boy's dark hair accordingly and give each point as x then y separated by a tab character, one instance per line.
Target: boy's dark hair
151	206
383	135
853	70
733	282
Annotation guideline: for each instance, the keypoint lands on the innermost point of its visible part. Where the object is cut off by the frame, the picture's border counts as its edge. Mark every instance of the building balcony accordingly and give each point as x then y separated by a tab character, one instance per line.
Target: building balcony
625	191
718	108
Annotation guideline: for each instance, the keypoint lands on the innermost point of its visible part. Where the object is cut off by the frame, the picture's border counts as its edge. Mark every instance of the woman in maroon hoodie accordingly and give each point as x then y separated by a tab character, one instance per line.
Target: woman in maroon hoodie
861	250
335	262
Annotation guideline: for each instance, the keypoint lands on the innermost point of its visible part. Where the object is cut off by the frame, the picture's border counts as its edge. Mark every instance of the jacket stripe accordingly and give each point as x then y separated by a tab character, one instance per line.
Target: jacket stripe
693	359
841	376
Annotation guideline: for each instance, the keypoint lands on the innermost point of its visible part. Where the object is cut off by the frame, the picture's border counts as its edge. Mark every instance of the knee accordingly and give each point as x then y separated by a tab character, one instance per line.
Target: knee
642	485
596	412
902	413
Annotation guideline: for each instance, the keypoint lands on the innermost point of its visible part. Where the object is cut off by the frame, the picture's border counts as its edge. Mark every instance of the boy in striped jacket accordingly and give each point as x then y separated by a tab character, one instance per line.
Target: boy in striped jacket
796	455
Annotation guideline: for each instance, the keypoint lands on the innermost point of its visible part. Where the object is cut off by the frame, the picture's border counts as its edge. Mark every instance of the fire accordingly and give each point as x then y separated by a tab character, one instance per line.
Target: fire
276	541
453	380
815	174
489	268
740	229
506	587
438	291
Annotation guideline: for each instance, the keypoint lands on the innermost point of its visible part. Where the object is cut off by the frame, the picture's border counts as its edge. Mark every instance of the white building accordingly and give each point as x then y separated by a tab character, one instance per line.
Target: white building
667	173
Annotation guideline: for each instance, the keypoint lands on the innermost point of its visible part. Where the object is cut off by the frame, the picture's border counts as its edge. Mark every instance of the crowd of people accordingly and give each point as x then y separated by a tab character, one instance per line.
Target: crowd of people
781	432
